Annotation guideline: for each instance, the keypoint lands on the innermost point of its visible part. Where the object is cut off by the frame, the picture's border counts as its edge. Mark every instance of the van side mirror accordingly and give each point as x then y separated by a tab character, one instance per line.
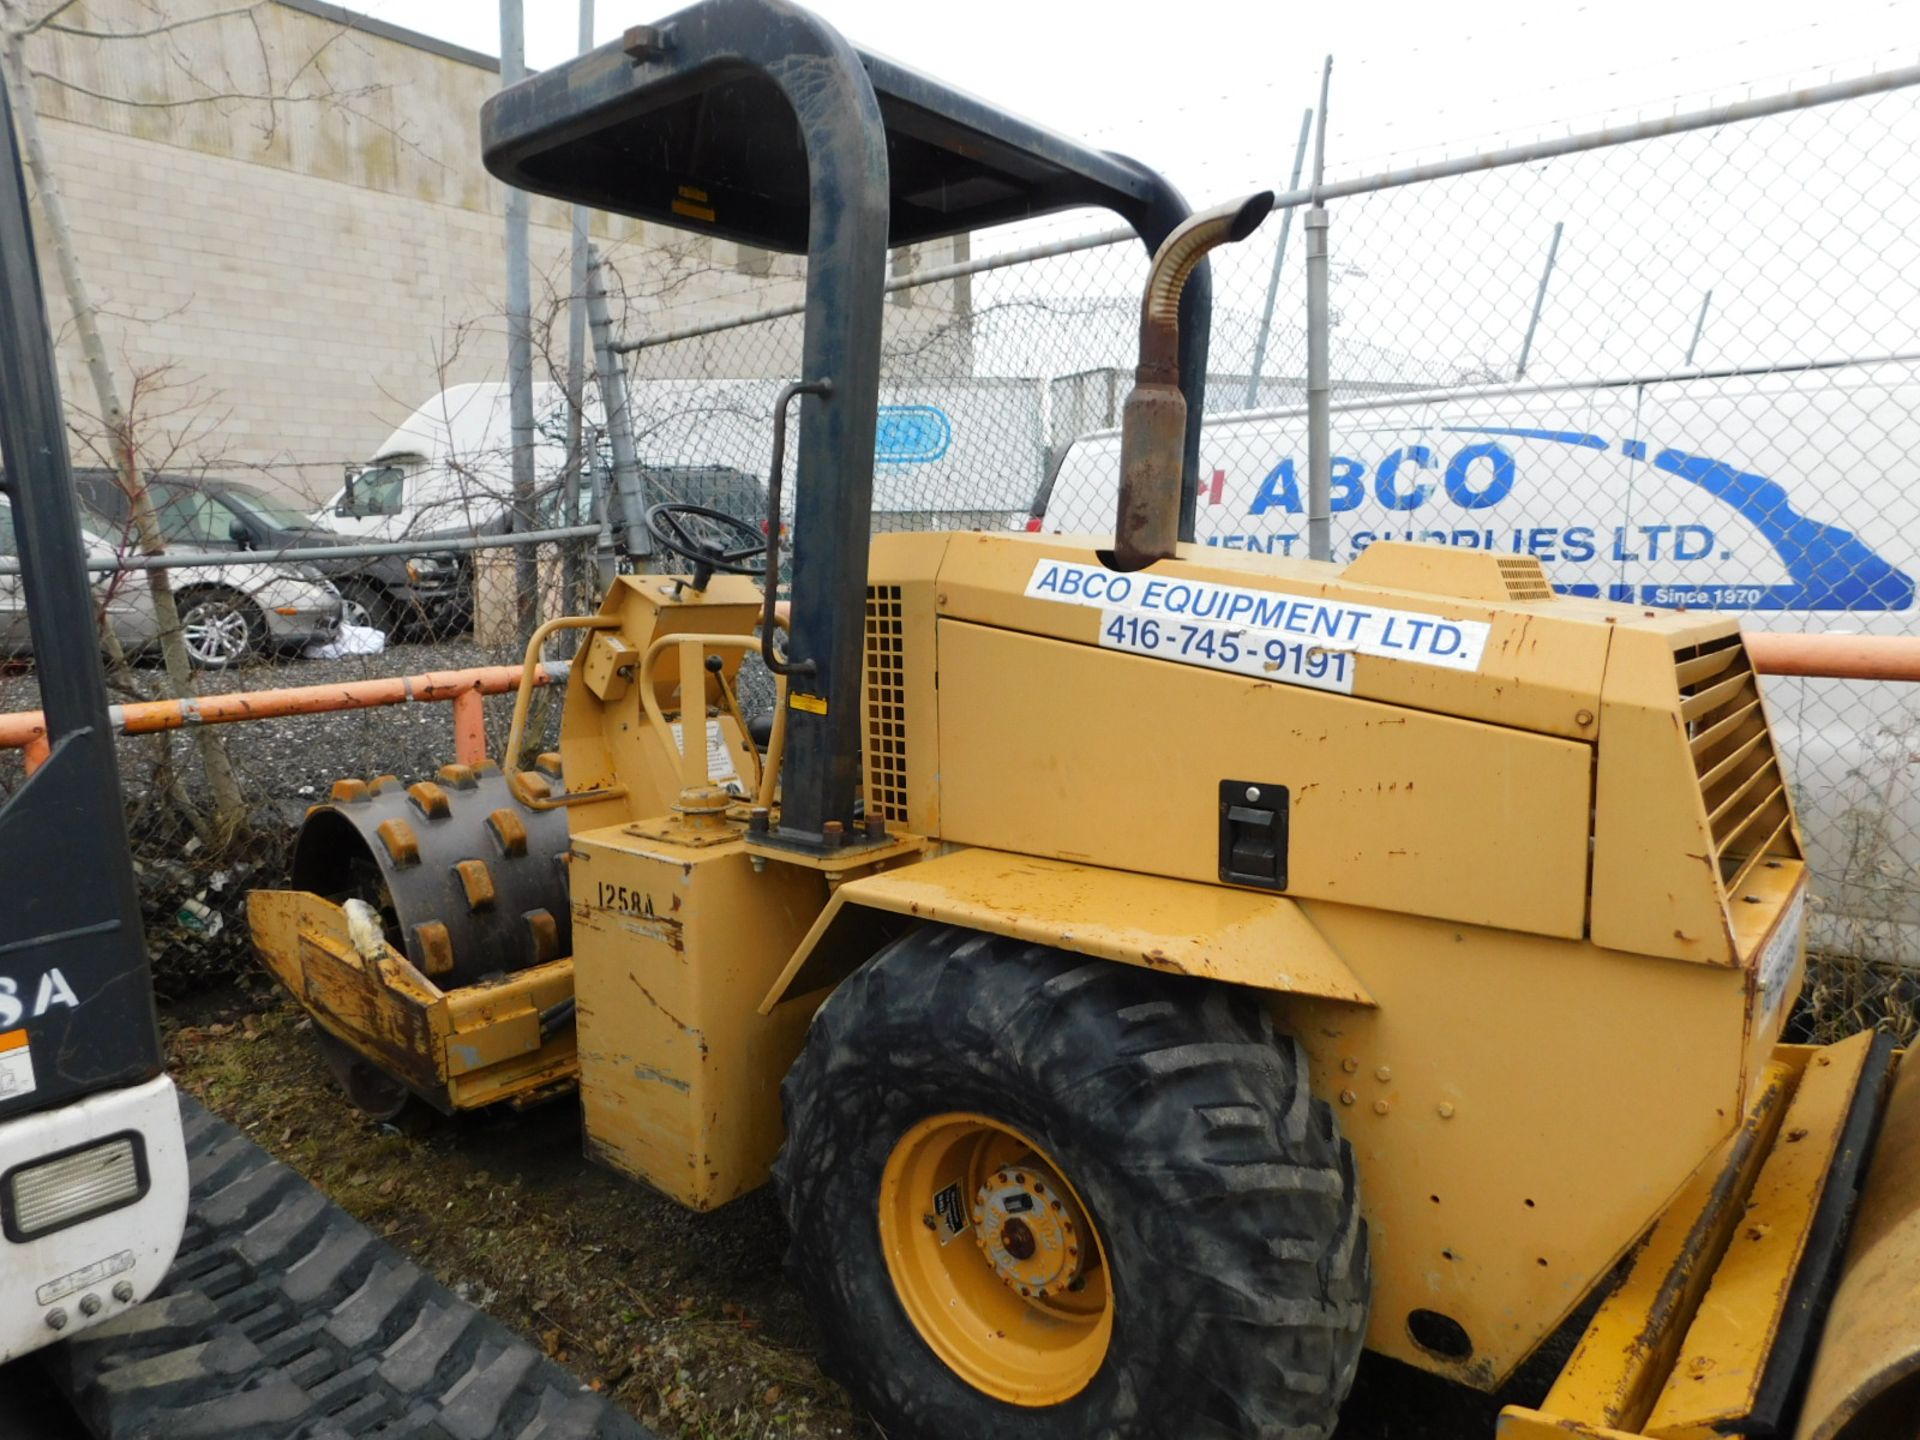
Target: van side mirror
347	505
238	532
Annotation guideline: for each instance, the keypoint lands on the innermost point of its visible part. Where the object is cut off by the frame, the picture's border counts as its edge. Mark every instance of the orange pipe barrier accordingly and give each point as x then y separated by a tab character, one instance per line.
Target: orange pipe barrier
1837	657
26	729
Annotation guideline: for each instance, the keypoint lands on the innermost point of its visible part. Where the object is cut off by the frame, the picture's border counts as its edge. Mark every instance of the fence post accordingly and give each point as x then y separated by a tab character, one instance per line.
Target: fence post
513	69
1319	418
469	727
630	510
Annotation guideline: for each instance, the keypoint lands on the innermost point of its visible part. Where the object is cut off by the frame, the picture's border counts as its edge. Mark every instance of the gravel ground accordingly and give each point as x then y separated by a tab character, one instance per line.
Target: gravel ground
685	1319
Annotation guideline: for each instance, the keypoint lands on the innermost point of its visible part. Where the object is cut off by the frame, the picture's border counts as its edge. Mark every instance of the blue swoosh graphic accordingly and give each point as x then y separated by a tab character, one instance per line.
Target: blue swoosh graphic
1564	437
1832	568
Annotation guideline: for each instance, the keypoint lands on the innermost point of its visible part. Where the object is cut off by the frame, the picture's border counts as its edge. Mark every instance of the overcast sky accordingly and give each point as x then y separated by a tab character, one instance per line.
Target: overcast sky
1211	91
1439	278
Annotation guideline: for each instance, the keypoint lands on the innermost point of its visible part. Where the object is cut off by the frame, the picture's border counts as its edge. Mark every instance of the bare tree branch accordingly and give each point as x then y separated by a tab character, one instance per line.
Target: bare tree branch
48	18
161	29
212	98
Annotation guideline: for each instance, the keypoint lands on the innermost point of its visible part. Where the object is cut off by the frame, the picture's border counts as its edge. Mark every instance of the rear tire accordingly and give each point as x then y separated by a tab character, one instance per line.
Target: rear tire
1222	1194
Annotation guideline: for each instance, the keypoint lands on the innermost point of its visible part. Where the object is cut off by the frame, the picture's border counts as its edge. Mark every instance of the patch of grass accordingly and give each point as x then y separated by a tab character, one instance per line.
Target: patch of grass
685	1319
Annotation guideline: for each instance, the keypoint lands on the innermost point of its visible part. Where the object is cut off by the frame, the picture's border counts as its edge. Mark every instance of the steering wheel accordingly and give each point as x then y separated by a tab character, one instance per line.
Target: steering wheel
703	536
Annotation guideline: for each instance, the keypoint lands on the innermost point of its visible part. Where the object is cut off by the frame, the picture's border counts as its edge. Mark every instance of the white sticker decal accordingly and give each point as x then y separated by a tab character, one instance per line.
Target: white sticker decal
1781	955
720	767
16	1065
1323	625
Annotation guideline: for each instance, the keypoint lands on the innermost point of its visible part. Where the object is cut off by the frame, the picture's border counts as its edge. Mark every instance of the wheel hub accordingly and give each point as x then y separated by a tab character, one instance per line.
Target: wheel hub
1024	1224
995	1258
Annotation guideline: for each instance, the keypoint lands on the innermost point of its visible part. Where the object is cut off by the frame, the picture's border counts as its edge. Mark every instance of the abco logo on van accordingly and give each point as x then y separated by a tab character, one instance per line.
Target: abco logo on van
1680	561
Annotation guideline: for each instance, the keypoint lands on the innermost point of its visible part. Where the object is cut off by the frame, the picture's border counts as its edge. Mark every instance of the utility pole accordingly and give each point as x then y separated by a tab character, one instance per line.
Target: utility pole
513	69
1539	299
1699	325
1279	258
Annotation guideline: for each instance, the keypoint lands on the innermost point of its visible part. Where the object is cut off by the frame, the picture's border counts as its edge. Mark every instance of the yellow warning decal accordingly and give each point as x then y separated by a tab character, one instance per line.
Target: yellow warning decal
693	211
693	192
812	704
13	1040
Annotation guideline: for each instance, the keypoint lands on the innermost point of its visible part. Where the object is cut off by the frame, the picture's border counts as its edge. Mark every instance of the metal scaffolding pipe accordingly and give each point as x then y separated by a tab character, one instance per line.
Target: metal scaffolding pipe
199	559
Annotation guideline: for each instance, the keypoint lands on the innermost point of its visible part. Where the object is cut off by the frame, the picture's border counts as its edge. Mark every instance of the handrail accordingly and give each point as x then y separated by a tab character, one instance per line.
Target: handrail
769	765
516	732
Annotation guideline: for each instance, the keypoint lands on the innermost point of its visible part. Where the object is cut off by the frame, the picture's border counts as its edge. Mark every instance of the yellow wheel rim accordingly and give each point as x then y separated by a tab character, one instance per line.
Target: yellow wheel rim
996	1259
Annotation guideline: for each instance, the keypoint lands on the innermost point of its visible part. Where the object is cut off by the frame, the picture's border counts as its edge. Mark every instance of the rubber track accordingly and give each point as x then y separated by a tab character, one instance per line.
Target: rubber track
284	1318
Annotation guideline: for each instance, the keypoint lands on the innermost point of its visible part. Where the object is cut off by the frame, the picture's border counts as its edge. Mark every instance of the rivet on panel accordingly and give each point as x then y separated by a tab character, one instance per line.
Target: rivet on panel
1583	717
1347	1097
1383	1074
477	881
430	800
544	931
381	784
1349	1065
403	846
458	777
434	947
510	830
1446	1110
348	792
1380	1107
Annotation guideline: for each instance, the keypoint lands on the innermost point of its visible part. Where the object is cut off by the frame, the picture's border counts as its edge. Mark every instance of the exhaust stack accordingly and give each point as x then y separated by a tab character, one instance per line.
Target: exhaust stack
1153	426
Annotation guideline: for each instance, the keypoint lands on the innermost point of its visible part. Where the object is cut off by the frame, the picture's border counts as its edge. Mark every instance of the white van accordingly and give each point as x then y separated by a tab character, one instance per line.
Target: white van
449	468
1789	496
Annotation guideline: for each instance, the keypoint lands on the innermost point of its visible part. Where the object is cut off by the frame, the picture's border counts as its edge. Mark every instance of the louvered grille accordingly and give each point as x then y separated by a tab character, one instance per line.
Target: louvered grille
886	757
1748	810
1525	578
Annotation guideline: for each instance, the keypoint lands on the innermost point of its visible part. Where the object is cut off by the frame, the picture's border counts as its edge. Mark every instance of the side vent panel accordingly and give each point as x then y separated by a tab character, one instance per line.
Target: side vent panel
1748	808
886	750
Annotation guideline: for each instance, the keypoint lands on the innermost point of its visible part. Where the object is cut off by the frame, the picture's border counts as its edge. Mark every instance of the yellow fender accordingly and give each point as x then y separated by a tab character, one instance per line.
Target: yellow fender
1182	927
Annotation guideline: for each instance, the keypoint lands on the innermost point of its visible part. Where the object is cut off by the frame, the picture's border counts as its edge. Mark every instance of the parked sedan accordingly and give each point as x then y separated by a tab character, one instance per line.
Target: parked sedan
394	594
228	613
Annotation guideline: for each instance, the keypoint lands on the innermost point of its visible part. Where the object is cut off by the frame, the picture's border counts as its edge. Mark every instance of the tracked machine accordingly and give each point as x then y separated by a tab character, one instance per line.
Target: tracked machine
1149	974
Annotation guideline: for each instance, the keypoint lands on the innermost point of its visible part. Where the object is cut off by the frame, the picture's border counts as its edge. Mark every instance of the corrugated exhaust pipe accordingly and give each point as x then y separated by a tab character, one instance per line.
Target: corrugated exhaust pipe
1153	427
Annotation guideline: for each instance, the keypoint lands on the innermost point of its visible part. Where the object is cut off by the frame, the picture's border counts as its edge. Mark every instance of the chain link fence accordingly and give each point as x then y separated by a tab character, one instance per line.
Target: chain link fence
1682	371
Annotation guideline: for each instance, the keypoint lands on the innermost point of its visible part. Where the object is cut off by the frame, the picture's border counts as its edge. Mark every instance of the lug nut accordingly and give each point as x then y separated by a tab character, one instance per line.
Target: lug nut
90	1305
56	1319
123	1292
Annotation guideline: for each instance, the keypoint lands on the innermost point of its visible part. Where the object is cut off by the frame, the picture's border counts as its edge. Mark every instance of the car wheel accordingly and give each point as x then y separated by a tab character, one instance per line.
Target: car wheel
221	629
369	607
